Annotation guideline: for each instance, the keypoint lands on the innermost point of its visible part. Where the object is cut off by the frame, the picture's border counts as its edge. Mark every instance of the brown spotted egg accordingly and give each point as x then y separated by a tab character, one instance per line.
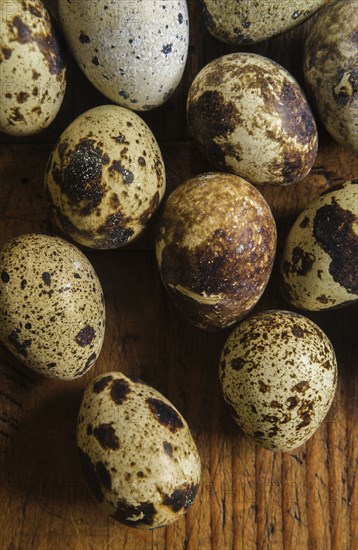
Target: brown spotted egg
249	116
105	178
215	248
278	373
32	68
331	70
133	52
136	451
249	21
52	313
319	268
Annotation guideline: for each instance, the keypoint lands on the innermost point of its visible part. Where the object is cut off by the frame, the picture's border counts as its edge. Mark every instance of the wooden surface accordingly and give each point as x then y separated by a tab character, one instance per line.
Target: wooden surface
249	497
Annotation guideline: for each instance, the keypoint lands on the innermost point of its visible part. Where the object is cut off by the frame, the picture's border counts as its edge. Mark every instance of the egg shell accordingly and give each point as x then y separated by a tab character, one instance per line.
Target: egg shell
32	68
331	70
249	116
52	312
215	248
249	21
133	52
278	373
319	268
105	178
136	451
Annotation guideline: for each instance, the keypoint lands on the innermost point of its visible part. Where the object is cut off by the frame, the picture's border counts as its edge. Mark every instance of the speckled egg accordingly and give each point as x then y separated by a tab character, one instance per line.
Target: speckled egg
278	373
249	116
331	70
319	268
215	248
105	178
133	52
136	451
32	68
52	313
249	21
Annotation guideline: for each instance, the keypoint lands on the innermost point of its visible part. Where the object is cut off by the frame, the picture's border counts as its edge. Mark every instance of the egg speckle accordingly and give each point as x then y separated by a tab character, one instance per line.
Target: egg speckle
215	248
105	178
249	21
249	116
331	70
319	266
278	373
32	68
52	314
133	52
136	451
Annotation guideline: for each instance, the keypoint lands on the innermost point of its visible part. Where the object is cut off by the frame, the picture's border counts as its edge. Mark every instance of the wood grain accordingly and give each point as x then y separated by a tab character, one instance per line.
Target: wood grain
249	498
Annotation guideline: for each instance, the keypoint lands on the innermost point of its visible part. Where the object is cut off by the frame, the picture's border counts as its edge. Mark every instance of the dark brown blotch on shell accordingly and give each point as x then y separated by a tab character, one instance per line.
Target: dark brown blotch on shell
333	229
147	214
85	336
90	475
103	475
106	436
81	178
102	383
165	414
301	262
21	346
119	391
134	516
209	117
114	232
168	449
182	497
47	43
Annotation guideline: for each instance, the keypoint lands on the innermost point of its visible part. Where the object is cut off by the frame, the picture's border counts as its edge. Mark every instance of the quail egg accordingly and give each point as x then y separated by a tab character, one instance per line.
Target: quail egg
52	311
32	68
331	70
136	451
249	116
248	21
215	248
278	373
133	52
105	178
319	266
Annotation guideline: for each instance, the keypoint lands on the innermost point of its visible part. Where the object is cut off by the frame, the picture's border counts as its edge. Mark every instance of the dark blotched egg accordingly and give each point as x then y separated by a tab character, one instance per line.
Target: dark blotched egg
249	116
331	70
319	267
215	248
136	451
32	68
105	178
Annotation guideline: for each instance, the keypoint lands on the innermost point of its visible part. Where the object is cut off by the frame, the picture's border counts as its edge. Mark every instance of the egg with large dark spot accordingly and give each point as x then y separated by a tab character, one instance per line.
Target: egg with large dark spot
249	21
331	70
137	454
215	248
133	52
249	116
278	373
105	178
319	268
32	68
52	314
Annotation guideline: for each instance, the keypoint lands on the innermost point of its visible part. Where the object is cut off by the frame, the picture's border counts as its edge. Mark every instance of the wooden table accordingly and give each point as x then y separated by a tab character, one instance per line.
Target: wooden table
249	497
